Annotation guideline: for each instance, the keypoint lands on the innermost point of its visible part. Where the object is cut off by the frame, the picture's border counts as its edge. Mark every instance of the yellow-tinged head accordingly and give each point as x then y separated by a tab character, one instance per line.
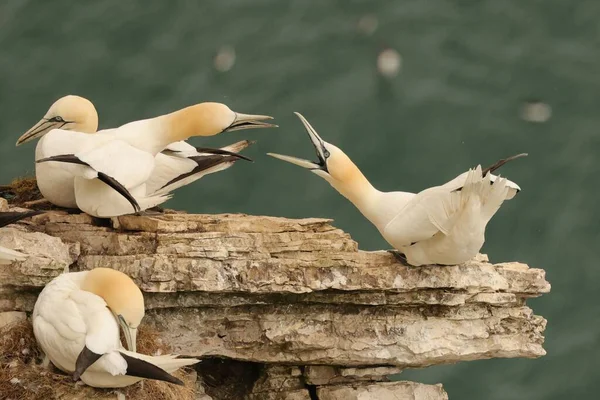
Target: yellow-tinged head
333	165
209	119
70	112
121	295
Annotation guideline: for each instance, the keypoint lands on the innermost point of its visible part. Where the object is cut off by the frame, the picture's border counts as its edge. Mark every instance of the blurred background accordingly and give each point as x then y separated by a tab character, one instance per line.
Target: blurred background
415	92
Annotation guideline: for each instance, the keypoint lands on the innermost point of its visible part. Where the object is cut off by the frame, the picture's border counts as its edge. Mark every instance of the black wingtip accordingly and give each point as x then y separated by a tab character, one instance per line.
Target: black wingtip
210	150
7	218
144	369
203	163
84	360
66	158
122	190
501	162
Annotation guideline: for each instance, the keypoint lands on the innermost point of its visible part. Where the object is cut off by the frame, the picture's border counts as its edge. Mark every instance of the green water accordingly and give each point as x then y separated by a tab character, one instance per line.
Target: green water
467	68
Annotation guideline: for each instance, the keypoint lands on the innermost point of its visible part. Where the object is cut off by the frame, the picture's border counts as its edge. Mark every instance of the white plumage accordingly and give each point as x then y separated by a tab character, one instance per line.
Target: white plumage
117	157
440	225
66	318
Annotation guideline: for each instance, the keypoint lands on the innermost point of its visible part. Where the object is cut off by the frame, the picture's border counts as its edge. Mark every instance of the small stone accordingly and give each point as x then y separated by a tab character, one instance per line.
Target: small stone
225	59
536	111
389	63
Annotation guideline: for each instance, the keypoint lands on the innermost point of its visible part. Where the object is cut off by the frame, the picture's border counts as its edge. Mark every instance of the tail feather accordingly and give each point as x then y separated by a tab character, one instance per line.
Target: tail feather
153	200
169	362
220	163
446	216
10	217
480	187
495	196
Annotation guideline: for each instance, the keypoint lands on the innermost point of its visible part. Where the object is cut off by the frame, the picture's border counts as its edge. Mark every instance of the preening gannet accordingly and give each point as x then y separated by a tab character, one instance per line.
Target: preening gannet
128	158
7	256
76	322
440	225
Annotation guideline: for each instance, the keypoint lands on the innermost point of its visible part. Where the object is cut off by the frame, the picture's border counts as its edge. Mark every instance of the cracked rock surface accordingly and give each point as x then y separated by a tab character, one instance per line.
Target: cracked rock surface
295	298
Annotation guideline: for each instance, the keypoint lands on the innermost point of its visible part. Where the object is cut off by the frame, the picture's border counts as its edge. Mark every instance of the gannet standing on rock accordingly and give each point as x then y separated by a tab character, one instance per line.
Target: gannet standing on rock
76	322
179	164
68	113
113	167
7	256
440	225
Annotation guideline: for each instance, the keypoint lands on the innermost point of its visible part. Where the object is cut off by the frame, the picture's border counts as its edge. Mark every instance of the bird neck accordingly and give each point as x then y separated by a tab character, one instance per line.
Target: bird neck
155	134
360	192
196	120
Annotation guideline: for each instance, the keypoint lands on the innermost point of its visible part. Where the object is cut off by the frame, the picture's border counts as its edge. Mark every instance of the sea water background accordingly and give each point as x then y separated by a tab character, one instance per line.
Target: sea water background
467	70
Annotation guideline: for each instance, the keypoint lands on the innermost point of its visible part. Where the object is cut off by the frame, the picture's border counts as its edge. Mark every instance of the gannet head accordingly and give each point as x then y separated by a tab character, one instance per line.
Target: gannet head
70	112
122	296
209	119
333	164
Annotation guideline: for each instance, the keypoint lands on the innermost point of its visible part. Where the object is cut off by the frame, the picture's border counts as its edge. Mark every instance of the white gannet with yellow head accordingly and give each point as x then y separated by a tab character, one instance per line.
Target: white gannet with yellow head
7	256
73	113
116	171
76	321
440	225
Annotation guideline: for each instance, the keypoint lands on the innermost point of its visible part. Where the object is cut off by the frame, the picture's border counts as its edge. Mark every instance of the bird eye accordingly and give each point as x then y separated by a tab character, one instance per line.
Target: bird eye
326	154
58	119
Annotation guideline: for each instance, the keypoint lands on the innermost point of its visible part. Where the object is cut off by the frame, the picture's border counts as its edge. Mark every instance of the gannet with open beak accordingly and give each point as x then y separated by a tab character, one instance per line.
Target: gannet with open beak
440	225
7	256
113	167
178	165
76	322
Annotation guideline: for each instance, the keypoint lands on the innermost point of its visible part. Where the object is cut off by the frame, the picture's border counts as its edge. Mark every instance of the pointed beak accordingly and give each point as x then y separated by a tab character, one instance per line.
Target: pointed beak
38	130
318	144
129	333
248	121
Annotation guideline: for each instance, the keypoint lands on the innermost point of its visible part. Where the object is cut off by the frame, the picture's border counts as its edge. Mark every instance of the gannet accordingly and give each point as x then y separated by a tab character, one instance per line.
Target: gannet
68	113
76	322
7	256
441	225
124	158
178	165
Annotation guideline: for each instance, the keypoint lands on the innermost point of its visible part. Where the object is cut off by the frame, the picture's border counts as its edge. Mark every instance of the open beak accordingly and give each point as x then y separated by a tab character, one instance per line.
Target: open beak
129	333
248	121
318	144
39	130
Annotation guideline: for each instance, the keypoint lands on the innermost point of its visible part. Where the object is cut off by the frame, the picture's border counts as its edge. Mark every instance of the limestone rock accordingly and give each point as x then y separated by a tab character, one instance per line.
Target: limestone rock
383	391
328	375
295	300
